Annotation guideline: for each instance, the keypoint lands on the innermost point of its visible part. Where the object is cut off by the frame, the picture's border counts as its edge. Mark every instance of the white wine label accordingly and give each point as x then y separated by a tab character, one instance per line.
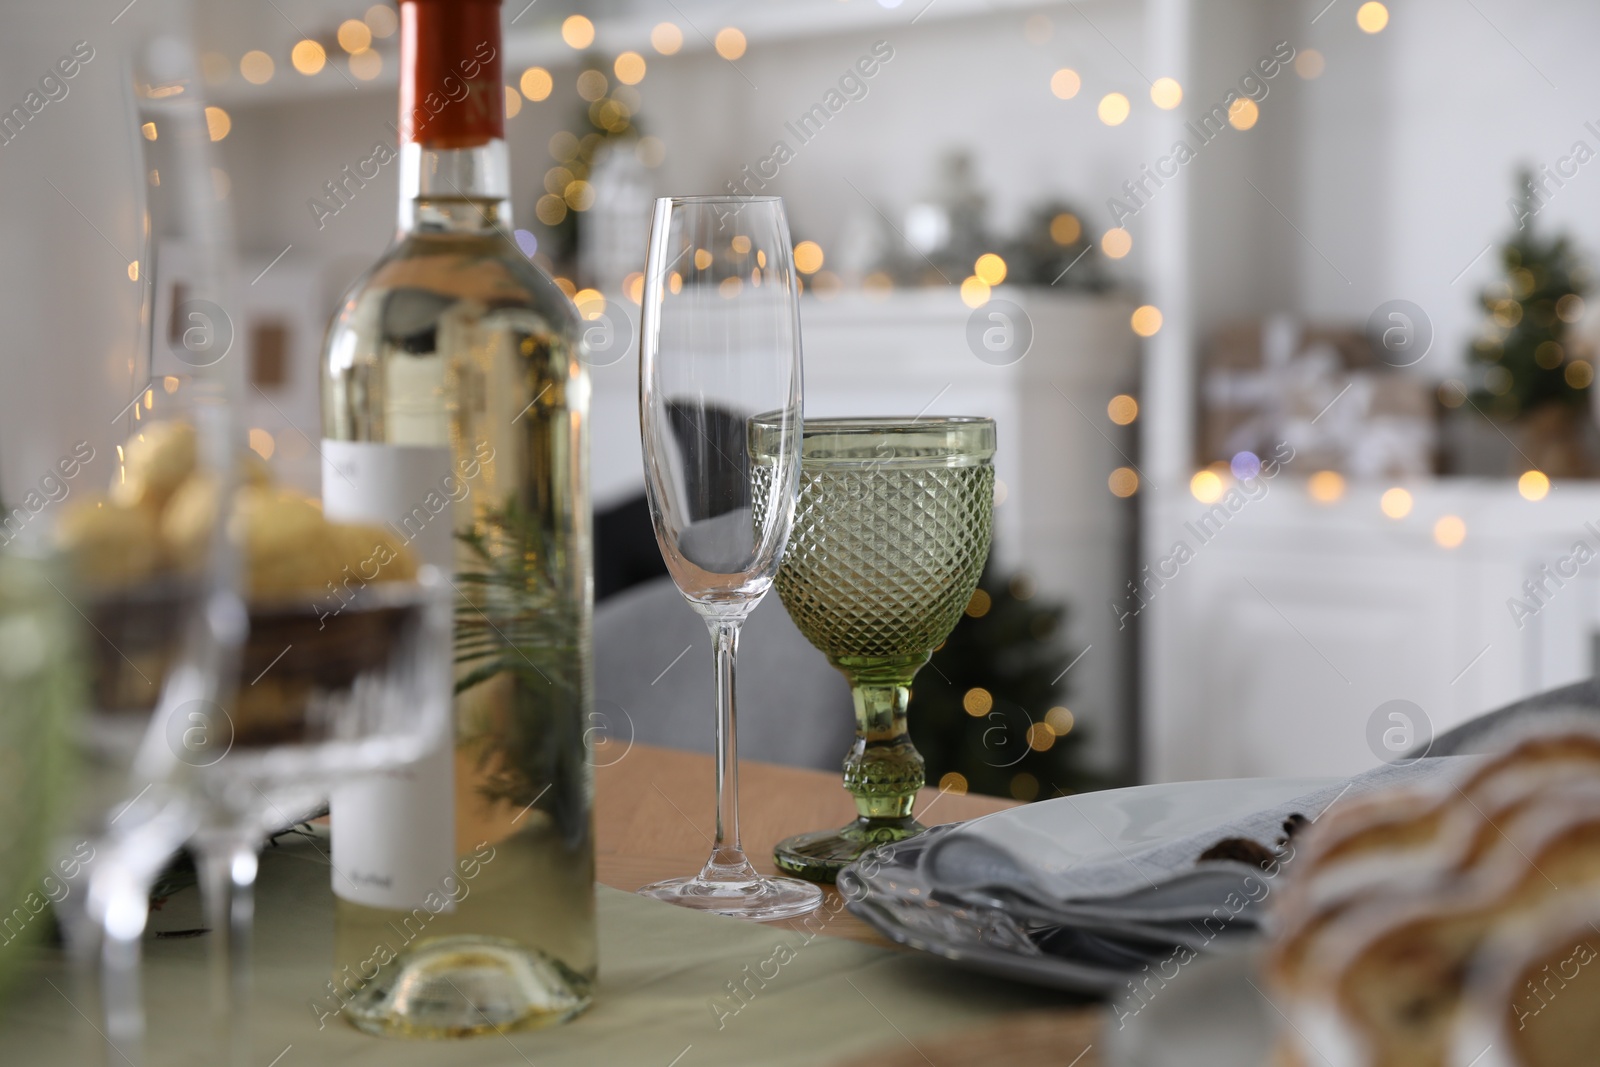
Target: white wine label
394	833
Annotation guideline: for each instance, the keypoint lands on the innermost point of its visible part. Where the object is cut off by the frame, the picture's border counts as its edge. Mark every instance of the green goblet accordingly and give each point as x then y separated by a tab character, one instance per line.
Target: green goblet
890	534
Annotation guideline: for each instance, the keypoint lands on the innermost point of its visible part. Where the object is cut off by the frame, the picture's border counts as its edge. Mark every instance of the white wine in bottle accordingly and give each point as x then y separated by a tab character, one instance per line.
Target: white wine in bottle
455	410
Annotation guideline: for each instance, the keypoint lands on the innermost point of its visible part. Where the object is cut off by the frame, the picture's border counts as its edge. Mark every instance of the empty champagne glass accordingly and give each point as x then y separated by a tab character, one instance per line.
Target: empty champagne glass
720	347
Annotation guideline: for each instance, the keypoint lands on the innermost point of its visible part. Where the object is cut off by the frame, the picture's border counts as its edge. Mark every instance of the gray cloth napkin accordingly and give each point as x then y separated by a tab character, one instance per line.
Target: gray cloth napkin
1164	889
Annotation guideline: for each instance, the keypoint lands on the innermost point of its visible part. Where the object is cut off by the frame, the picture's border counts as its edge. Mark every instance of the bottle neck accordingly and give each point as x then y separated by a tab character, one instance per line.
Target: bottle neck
461	190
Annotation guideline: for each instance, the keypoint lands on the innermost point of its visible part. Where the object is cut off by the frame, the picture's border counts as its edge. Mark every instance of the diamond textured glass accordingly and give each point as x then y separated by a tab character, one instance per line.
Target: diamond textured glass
890	536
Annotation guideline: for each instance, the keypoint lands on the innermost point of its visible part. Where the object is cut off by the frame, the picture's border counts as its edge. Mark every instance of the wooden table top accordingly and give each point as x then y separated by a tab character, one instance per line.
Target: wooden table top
655	810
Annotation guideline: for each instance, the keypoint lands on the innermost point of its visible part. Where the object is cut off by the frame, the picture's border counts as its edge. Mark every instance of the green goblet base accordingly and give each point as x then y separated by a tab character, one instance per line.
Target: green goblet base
820	855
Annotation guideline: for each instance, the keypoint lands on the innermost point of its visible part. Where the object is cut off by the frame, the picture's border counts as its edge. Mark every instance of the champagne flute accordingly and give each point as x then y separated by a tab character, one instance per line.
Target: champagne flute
720	346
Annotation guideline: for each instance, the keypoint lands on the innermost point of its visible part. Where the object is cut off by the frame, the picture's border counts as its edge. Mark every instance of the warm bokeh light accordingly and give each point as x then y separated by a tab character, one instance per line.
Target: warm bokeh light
991	268
1310	64
1124	482
1024	786
1449	531
579	195
218	123
974	292
513	102
666	38
592	85
1533	485
633	287
536	84
133	271
1113	109
1146	320
256	67
563	145
382	20
149	130
979	603
740	245
1060	720
1065	83
215	67
977	702
367	64
1325	487
308	57
651	151
1206	487
1041	737
577	31
1116	243
729	287
354	35
1166	93
1569	309
1579	374
1243	113
953	782
629	68
550	209
1372	16
261	442
591	304
808	257
1395	503
1065	229
1122	409
730	43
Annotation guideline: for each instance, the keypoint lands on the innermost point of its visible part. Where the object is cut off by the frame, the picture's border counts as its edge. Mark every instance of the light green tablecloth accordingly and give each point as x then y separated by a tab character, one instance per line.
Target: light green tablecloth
663	969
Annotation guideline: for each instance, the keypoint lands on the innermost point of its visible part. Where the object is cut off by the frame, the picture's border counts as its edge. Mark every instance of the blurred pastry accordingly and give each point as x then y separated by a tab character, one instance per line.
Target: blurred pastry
110	545
154	463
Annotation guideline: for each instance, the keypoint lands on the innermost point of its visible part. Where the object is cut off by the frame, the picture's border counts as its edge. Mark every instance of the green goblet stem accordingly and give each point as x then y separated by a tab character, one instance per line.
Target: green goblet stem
883	770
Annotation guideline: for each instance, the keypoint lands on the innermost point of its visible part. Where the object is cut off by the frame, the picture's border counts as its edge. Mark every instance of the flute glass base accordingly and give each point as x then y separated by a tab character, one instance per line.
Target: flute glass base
819	856
761	899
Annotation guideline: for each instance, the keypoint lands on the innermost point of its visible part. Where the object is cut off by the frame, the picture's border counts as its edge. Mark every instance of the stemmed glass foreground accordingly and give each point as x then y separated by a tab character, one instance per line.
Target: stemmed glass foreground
720	345
891	535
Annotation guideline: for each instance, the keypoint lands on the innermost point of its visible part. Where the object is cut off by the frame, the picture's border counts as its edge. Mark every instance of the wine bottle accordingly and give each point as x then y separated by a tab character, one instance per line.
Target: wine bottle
455	410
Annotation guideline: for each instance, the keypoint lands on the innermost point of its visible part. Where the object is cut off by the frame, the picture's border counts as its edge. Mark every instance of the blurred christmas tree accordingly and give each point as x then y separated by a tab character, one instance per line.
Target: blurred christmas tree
608	117
1533	358
1053	248
988	712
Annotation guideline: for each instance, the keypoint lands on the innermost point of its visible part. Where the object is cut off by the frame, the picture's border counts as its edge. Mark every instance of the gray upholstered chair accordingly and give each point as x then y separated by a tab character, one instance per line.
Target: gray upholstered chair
793	707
